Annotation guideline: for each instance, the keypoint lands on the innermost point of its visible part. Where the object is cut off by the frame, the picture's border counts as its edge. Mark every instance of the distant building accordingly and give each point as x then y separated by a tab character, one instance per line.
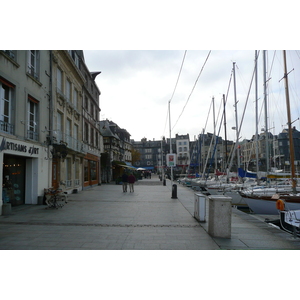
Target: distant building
183	152
151	153
117	151
284	147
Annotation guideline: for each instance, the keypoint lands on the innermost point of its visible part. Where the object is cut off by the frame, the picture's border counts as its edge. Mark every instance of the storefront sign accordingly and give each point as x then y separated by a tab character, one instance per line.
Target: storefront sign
5	145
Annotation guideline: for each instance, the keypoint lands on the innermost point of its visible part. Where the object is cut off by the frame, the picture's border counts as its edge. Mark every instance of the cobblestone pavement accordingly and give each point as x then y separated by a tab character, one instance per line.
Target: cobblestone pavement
105	218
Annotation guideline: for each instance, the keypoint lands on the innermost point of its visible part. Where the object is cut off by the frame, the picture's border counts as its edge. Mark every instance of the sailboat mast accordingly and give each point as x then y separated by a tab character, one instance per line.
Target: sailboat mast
292	154
225	165
236	120
215	138
256	115
266	112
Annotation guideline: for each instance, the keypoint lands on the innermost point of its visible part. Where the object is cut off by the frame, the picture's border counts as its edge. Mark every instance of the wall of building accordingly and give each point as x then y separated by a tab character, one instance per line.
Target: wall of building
24	153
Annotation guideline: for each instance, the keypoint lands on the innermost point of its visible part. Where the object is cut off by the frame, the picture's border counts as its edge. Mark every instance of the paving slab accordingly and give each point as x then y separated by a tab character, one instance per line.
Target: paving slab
105	218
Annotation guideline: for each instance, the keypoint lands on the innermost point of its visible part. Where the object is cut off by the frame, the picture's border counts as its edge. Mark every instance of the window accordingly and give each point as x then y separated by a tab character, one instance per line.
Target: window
148	150
59	81
10	53
86	104
68	90
76	59
86	132
97	140
59	125
77	172
68	132
86	170
92	110
6	91
93	170
68	172
75	98
75	132
59	121
68	127
33	63
180	149
32	132
149	156
92	136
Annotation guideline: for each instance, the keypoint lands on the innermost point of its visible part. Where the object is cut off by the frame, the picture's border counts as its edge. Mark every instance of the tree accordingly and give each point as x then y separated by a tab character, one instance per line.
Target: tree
135	155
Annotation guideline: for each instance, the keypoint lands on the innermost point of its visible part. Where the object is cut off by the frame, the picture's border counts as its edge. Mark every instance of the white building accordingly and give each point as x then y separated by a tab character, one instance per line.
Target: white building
24	115
183	151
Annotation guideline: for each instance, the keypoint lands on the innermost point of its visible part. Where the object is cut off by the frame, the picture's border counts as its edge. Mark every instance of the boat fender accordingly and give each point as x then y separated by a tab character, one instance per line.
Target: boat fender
280	204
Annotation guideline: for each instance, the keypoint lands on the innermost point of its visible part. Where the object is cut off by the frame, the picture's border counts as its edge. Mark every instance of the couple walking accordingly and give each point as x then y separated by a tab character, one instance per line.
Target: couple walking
128	179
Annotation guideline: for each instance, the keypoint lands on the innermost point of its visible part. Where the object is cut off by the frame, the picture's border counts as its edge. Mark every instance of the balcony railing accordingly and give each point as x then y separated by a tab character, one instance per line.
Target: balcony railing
32	135
6	127
72	143
68	183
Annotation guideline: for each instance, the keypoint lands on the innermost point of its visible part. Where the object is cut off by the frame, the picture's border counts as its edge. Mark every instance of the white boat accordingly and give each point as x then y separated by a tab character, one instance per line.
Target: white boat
290	221
266	205
261	201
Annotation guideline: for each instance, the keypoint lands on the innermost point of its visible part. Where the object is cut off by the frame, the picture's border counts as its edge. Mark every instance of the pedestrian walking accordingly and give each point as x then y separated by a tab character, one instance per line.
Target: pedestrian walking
124	182
131	181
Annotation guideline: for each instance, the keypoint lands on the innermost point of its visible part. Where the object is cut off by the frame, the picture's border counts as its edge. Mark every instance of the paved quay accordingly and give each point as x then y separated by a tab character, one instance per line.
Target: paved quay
105	218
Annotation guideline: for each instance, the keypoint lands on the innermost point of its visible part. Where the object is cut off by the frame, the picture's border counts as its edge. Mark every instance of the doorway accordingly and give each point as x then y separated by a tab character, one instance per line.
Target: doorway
14	170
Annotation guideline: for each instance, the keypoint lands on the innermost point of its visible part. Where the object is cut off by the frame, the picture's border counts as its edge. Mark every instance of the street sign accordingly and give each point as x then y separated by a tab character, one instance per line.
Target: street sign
171	160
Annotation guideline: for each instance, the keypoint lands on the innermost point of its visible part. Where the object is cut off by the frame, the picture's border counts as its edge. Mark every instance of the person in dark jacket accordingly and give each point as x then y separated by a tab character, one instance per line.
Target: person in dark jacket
131	181
124	182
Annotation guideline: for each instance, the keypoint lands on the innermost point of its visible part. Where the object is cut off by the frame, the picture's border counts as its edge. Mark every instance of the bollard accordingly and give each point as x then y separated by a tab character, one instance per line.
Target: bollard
174	191
200	207
219	216
164	182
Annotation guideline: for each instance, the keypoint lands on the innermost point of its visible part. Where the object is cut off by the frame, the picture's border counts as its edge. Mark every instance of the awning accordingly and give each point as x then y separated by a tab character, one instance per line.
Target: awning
123	164
129	166
148	168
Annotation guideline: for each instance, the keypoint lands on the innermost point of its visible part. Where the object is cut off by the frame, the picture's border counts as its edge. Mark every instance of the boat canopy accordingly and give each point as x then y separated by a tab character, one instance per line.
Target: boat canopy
243	173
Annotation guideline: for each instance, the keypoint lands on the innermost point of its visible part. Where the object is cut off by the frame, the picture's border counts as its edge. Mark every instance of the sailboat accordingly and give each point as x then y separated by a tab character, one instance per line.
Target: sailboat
286	202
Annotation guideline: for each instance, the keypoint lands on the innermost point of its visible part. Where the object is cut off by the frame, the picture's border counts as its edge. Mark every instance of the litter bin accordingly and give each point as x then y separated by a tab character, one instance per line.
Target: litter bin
200	207
219	216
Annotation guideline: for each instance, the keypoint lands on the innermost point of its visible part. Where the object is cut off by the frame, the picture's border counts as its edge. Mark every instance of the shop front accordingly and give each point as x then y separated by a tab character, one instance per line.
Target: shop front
24	172
91	165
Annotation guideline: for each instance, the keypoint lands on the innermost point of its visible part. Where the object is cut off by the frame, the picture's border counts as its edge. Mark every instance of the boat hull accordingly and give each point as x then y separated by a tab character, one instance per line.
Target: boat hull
266	205
237	199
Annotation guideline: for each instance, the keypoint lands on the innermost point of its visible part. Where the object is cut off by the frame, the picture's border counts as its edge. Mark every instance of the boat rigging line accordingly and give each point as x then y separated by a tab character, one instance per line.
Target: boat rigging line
192	88
168	111
178	76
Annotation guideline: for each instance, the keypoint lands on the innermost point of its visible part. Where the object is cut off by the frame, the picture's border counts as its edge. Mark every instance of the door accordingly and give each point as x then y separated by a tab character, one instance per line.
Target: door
55	174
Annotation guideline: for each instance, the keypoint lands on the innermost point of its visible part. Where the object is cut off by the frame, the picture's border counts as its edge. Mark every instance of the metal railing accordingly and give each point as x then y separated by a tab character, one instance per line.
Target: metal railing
6	127
32	135
72	143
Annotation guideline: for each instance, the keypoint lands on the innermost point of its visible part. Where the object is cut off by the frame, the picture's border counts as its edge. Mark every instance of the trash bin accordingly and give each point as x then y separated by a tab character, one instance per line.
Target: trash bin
219	216
200	207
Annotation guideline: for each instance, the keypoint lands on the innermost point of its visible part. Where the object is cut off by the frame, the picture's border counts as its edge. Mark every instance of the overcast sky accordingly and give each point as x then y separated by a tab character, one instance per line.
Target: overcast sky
136	87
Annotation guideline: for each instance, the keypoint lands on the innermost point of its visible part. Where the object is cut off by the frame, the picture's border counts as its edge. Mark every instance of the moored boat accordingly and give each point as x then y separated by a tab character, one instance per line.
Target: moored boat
266	205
